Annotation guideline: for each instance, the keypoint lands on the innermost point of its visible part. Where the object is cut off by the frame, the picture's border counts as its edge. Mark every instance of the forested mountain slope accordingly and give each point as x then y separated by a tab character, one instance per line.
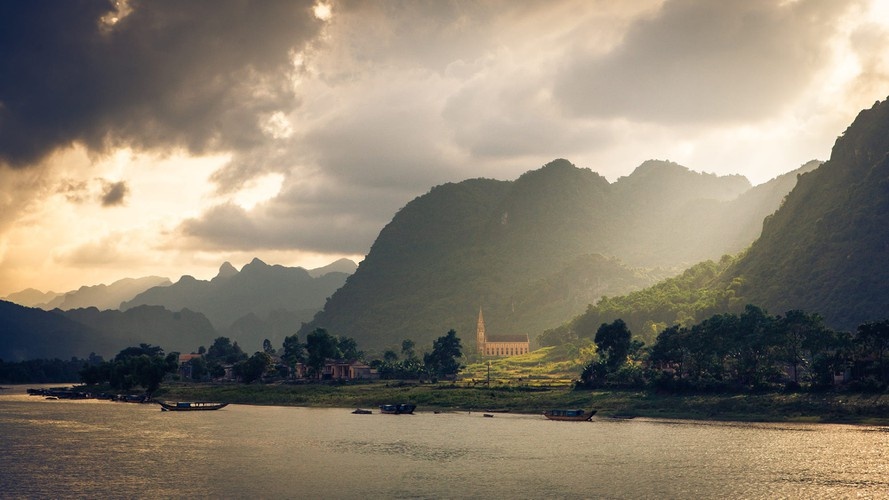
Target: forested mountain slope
825	251
535	251
30	333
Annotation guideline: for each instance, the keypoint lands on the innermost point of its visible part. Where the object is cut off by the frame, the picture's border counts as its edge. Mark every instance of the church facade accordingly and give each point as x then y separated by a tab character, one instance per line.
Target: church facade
499	345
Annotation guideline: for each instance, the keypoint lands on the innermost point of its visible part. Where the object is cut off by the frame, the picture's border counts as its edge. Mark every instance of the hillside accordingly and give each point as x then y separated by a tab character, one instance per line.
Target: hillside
824	251
181	331
259	294
534	251
30	333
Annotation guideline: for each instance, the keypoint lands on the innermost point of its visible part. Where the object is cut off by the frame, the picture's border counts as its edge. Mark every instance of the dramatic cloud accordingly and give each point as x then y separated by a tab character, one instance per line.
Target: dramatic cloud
229	129
702	61
167	74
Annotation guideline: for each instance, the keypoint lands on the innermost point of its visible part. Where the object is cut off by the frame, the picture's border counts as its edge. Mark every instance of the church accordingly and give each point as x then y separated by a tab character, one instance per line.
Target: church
499	345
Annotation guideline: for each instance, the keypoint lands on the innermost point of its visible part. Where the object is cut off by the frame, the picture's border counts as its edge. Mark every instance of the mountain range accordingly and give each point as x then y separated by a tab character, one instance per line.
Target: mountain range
535	251
824	251
257	303
100	296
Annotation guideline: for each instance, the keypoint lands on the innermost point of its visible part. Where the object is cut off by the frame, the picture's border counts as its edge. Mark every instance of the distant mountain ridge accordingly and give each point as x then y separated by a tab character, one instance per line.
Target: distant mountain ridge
265	302
267	292
505	245
100	296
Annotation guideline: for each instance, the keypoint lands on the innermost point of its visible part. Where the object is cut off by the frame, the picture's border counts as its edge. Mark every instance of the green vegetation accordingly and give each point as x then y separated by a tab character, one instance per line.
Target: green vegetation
144	366
682	300
534	252
43	371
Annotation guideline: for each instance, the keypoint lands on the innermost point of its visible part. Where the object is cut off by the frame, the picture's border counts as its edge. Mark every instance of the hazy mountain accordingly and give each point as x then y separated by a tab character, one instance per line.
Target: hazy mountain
691	216
824	251
345	266
99	296
181	331
258	289
534	251
32	297
106	297
30	333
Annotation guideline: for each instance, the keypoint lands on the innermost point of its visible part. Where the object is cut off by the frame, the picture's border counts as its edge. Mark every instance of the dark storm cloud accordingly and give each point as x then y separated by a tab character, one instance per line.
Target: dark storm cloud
704	61
113	193
194	74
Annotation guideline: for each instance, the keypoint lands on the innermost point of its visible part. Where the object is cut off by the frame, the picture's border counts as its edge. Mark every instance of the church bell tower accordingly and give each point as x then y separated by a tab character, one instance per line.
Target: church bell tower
480	339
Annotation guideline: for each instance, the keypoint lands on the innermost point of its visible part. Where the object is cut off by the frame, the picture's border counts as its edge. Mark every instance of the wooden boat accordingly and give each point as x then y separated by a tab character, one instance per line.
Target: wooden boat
359	411
569	415
398	409
191	406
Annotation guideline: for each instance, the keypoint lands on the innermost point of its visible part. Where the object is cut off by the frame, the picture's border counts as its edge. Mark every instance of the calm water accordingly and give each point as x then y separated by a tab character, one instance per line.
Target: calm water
93	449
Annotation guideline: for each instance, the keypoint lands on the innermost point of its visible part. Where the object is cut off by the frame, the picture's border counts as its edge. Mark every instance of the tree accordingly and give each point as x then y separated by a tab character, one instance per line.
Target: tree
349	349
874	339
320	346
253	368
294	352
144	366
224	351
613	343
444	358
267	347
407	349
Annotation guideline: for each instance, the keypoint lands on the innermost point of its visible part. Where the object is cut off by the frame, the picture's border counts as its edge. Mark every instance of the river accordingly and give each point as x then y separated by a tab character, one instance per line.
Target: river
100	449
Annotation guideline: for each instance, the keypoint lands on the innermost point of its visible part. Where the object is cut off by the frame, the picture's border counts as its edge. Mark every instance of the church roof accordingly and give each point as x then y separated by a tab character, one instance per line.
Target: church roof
507	338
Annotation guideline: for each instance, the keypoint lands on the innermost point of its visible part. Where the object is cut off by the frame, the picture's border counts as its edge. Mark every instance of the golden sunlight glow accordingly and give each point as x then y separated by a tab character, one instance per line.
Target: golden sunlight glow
259	190
322	11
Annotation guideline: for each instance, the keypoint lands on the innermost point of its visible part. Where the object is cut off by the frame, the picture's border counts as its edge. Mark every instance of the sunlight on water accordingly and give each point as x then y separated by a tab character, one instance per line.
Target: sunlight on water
103	449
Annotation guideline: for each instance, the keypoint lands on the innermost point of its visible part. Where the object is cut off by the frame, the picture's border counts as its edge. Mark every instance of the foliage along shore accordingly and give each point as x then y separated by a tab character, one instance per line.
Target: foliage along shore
828	407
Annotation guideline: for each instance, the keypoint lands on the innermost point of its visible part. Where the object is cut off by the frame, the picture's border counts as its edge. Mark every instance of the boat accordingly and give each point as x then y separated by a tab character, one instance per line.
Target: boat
398	409
569	415
191	406
359	411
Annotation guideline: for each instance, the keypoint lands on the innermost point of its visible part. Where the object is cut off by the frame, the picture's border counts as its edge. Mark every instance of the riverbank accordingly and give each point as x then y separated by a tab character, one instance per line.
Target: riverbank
773	407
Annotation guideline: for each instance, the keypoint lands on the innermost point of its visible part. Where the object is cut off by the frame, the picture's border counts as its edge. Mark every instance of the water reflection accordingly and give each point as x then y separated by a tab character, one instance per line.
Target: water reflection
105	449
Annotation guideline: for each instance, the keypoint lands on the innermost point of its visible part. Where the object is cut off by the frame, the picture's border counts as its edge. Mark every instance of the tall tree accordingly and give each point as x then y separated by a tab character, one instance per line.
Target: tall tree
320	346
613	343
294	352
444	360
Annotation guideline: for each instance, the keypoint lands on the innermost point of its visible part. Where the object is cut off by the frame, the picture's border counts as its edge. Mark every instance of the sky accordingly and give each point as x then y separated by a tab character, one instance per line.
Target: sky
164	137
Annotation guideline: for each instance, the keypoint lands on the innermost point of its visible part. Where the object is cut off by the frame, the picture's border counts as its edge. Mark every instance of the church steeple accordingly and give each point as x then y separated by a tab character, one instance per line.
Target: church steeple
480	338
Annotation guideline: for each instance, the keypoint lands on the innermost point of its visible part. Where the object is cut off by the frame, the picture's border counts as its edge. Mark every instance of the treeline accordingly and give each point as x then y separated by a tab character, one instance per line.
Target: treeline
147	366
44	371
750	351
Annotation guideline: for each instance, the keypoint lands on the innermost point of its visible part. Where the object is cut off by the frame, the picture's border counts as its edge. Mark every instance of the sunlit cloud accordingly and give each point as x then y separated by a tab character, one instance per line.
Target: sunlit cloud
169	137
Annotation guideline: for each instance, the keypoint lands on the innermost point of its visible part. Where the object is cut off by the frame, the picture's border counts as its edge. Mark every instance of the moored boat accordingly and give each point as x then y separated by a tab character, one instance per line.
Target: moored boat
360	411
191	406
569	415
398	409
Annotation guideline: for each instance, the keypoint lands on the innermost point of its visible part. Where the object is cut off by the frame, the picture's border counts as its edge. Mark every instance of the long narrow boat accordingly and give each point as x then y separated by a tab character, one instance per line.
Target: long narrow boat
569	415
191	406
399	409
